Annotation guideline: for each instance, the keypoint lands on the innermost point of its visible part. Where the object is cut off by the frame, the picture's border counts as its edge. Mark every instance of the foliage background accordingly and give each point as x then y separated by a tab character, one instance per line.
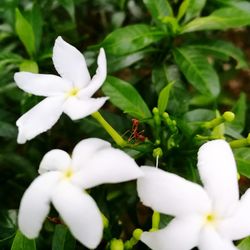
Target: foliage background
204	64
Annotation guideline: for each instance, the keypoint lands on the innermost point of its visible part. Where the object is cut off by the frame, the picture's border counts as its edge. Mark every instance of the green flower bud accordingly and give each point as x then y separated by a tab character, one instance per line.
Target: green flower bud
228	116
137	233
157	152
116	244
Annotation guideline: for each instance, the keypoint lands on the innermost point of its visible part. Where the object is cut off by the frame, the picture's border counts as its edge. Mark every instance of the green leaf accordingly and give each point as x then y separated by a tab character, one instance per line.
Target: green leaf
159	8
116	63
22	243
131	39
29	66
242	157
178	100
182	10
240	110
221	19
62	239
69	6
163	98
244	244
25	33
159	77
194	9
7	130
222	50
125	96
36	21
198	71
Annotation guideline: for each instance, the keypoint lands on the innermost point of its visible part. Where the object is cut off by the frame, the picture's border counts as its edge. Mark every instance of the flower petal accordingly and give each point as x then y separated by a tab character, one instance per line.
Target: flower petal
41	84
218	173
39	119
85	150
70	63
99	78
35	204
108	165
211	240
180	234
170	194
77	109
55	159
80	212
237	226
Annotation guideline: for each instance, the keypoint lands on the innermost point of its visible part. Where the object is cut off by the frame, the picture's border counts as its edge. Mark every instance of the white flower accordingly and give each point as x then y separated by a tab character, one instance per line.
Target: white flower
71	93
210	217
62	181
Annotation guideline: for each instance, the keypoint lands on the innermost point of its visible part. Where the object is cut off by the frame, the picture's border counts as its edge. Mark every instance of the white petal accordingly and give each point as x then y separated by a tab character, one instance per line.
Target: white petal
211	240
35	204
77	109
170	194
70	63
80	213
41	84
99	78
218	173
86	150
55	159
108	165
238	225
39	119
180	234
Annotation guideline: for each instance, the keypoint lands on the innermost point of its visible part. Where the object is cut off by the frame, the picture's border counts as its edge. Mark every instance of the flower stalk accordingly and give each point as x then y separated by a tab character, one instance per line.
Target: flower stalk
155	221
111	131
228	116
241	142
129	244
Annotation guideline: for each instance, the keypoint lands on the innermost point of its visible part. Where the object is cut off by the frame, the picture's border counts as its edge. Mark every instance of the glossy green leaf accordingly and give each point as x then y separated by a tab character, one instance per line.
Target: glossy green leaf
194	9
116	63
222	50
244	244
242	157
22	243
131	39
62	239
159	78
159	8
220	19
182	9
240	111
178	100
163	98
198	71
123	95
36	21
25	33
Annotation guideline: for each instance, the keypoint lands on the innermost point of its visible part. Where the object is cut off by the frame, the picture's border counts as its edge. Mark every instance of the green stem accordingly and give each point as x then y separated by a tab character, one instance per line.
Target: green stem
155	220
241	142
112	132
226	117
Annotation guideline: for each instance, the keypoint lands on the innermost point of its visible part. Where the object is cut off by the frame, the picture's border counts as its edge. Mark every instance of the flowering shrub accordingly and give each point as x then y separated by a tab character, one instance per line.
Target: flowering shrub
158	125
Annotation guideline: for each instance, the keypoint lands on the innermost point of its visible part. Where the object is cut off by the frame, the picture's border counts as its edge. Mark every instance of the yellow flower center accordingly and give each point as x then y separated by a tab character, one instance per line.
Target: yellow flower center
68	173
73	92
210	219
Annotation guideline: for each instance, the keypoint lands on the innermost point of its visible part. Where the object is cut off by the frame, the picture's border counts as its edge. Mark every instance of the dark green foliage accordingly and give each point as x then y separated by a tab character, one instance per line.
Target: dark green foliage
166	54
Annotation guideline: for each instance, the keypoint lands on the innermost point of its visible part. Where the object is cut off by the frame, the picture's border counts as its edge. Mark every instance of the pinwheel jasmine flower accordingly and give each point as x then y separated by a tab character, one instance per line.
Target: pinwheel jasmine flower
62	181
69	93
210	217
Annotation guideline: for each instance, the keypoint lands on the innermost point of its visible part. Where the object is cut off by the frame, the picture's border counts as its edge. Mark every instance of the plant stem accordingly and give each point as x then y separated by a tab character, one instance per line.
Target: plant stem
112	132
